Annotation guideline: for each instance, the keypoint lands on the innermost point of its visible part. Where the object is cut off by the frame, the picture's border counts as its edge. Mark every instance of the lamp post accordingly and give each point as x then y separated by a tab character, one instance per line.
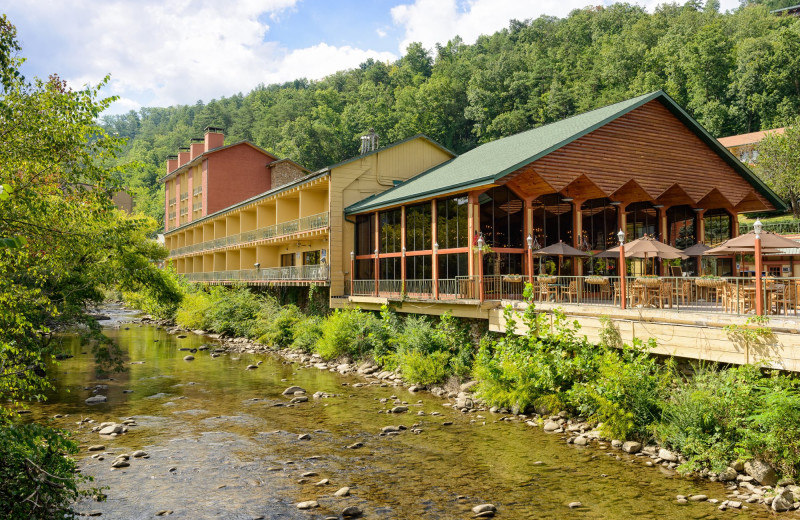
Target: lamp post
530	259
352	271
480	244
622	270
757	227
403	271
377	271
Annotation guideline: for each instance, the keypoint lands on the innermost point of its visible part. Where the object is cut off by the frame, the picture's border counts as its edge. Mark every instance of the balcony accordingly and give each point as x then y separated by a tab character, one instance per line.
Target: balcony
303	273
184	196
172	201
197	191
310	223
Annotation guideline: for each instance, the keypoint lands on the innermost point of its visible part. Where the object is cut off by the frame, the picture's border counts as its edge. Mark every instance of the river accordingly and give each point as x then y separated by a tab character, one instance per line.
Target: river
219	447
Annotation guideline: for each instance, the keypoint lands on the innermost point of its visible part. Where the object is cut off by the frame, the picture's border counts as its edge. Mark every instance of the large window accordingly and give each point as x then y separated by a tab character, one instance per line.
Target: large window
502	263
681	226
365	234
311	258
451	225
718	226
453	265
419	267
502	218
599	224
552	220
390	268
365	270
418	227
641	219
390	231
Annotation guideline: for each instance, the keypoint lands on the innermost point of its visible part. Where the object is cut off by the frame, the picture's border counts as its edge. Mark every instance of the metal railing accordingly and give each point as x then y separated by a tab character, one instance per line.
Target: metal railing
309	223
733	295
782	228
317	272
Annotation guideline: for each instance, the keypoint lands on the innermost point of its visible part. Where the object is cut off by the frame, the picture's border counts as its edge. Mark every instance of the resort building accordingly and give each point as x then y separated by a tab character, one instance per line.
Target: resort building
745	146
294	233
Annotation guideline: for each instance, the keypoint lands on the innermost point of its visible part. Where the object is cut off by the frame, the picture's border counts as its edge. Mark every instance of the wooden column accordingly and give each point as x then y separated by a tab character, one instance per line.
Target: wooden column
577	235
471	199
377	249
435	250
662	224
403	248
734	223
529	233
701	226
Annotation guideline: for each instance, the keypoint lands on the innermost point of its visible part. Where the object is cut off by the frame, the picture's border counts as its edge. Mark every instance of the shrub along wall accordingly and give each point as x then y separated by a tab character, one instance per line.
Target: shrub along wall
713	416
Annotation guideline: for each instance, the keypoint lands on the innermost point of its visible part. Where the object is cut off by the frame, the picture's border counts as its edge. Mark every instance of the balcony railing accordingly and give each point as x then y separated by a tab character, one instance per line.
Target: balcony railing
184	211
732	295
782	228
197	191
172	201
184	196
309	223
317	272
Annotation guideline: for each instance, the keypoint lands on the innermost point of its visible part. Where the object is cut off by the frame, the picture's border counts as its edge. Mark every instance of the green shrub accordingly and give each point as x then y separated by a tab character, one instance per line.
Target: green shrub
352	333
240	312
772	432
307	333
424	368
193	312
280	331
38	476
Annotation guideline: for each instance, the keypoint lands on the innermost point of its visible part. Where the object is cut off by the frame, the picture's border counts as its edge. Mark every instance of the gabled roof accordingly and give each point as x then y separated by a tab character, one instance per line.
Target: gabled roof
751	138
490	162
287	160
199	158
388	146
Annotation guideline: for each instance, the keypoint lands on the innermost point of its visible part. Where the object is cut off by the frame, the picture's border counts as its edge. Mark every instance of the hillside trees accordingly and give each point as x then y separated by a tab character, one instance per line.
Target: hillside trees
779	163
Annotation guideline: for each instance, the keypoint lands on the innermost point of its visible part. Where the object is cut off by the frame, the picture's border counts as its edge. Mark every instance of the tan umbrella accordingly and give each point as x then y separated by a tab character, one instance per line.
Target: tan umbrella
696	250
648	247
559	249
770	243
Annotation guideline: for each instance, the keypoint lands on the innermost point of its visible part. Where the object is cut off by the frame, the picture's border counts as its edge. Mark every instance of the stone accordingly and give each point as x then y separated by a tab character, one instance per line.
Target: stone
738	465
399	409
727	475
351	512
631	447
299	399
164	512
762	472
343	492
581	441
468	386
308	504
783	502
616	443
97	447
485	514
667	455
95	399
698	498
188	358
355	445
483	508
292	389
551	426
108	430
303	437
734	504
323	482
139	453
120	463
575	505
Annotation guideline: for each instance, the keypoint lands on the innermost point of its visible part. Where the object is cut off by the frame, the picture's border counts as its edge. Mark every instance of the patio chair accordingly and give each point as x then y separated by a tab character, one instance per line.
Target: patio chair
664	295
682	291
544	292
785	298
572	290
605	290
617	294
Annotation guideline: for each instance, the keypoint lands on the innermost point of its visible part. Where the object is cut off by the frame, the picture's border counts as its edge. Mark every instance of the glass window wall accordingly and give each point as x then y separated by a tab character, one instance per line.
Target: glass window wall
502	218
451	222
681	226
418	227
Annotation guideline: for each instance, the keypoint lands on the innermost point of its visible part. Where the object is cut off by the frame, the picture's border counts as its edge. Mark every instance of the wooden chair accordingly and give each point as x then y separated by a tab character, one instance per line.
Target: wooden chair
617	294
664	295
605	290
785	298
682	291
543	292
572	290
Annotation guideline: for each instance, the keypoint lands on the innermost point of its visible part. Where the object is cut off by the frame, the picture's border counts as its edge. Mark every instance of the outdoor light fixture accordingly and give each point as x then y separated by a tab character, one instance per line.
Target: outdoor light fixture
530	242
257	265
614	203
403	251
481	243
621	237
376	252
435	248
757	227
697	210
567	199
658	206
352	255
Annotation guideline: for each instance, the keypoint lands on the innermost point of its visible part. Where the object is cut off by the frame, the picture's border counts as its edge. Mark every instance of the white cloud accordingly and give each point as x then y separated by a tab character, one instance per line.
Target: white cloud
163	53
438	21
381	33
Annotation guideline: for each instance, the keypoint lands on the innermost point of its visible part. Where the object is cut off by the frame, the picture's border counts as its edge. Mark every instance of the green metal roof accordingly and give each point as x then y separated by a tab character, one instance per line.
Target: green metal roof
492	161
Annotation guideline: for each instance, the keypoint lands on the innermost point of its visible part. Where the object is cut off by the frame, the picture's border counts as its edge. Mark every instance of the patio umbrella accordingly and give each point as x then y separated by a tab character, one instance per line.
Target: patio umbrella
560	249
645	247
697	250
770	243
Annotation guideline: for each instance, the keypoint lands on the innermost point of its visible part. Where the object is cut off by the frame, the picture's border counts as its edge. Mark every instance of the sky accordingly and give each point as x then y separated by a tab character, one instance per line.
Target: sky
168	52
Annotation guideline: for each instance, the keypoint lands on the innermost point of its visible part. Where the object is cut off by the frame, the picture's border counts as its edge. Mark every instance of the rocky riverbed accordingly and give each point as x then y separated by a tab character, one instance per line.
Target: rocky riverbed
240	432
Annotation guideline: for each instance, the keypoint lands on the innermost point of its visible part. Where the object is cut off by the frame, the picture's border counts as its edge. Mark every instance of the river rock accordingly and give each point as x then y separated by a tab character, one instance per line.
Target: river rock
468	386
188	358
698	498
308	504
303	437
299	399
351	512
291	390
113	428
389	429
580	441
120	463
343	492
97	447
483	508
783	502
761	472
667	455
631	447
574	505
399	409
139	453
95	399
727	475
551	426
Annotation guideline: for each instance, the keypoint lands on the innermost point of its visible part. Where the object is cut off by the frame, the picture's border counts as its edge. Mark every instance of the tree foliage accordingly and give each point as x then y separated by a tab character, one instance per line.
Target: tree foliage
779	163
735	72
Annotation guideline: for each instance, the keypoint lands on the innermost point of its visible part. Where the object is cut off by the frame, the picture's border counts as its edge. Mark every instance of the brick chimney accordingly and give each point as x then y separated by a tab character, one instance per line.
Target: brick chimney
172	163
214	137
183	155
197	147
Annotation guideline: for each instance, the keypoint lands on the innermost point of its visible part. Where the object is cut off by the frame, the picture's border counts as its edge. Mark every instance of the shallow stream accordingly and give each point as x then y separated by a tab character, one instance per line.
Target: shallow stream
219	447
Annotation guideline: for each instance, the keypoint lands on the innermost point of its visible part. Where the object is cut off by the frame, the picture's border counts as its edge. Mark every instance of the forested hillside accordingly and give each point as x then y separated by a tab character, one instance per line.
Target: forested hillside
735	73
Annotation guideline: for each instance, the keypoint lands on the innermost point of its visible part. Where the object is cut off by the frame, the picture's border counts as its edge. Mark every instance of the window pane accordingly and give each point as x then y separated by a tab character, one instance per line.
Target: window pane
451	229
453	265
502	217
390	231
418	267
365	234
418	227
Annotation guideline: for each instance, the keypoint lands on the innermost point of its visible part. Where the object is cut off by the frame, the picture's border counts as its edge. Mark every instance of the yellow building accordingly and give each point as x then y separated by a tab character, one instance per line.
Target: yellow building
283	236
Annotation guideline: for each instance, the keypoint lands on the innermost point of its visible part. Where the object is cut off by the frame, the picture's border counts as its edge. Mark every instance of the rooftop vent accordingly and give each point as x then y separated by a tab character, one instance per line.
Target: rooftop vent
369	142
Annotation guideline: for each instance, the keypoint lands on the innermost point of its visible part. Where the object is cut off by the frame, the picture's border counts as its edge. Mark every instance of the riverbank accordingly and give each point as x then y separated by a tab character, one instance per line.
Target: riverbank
746	485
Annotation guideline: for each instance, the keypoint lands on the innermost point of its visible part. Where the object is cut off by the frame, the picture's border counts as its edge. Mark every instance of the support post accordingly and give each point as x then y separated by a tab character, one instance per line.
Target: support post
480	244
377	241
403	249
759	267
435	252
352	271
530	260
623	297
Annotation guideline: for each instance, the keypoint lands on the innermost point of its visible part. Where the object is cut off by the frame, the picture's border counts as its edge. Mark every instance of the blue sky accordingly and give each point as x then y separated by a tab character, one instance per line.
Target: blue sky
166	52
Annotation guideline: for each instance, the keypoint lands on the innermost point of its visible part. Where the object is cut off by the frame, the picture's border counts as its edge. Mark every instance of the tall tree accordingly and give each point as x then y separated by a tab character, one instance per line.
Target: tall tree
779	163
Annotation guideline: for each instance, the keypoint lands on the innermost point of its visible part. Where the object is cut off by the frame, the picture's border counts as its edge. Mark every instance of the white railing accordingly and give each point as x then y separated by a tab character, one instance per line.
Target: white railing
315	273
309	223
